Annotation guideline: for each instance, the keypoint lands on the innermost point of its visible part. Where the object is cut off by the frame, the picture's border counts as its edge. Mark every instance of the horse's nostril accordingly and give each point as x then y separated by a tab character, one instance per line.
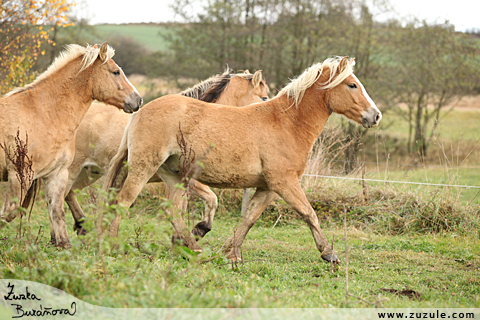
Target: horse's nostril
377	117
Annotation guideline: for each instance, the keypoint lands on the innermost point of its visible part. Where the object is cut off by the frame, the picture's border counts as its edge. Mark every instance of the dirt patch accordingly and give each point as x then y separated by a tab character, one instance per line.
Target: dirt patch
406	292
468	102
465	103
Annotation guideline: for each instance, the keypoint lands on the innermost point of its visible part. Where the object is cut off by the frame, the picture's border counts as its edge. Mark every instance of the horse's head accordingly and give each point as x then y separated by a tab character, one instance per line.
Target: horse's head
351	99
110	85
244	89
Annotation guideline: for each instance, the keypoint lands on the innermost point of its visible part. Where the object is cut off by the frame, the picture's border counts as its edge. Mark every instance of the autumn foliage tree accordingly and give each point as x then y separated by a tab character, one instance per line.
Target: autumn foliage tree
24	26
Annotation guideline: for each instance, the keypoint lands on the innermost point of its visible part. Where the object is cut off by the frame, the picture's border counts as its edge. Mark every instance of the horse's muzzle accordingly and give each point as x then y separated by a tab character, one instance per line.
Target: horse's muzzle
371	118
132	103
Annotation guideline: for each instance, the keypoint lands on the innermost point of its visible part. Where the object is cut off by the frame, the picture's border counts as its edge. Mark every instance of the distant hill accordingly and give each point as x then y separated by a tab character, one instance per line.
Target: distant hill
149	35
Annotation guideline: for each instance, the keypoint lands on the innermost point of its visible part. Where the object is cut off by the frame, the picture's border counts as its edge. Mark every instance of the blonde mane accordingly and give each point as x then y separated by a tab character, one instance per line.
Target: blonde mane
297	87
71	52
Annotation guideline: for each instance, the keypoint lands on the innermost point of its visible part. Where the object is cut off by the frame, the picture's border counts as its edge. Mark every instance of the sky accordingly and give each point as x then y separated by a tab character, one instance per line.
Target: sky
464	14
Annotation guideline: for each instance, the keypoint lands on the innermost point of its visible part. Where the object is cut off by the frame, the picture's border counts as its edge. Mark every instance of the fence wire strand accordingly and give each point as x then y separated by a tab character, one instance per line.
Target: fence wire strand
393	181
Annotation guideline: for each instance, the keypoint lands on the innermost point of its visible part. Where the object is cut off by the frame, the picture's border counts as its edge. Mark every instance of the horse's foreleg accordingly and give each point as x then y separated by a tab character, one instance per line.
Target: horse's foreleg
260	200
55	185
77	213
12	199
179	204
211	204
291	191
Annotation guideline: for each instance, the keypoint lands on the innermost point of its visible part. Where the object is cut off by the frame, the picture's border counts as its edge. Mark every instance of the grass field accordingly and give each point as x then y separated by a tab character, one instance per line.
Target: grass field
401	238
282	266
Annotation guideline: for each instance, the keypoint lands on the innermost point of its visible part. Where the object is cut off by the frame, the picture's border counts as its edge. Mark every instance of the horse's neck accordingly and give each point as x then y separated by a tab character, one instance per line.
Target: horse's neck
71	94
232	94
309	117
227	99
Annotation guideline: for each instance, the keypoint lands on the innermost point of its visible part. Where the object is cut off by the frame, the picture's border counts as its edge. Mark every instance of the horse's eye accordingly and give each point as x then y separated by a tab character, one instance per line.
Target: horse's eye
116	72
352	85
264	98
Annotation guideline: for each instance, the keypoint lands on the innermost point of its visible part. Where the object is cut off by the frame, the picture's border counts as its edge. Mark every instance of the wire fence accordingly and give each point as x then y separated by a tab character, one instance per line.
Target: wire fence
398	164
394	181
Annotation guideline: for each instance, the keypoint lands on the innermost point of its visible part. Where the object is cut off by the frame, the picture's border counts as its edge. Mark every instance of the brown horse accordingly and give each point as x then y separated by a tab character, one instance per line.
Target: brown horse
100	133
263	145
49	111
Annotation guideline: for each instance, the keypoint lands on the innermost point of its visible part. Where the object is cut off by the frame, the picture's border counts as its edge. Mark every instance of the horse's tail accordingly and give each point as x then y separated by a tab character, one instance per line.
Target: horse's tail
117	164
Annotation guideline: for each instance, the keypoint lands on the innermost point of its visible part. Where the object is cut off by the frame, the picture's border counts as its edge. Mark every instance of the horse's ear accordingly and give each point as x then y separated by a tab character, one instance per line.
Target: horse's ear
343	63
103	52
352	62
246	71
257	78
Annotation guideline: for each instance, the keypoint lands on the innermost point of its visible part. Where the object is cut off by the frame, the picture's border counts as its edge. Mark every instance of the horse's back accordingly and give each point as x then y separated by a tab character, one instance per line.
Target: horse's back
217	135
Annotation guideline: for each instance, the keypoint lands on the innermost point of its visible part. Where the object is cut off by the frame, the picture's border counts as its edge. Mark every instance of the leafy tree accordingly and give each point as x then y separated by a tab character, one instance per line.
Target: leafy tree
23	26
430	67
424	66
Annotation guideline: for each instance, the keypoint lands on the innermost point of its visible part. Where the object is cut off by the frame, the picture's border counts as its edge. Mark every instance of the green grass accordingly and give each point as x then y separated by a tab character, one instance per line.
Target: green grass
433	175
282	268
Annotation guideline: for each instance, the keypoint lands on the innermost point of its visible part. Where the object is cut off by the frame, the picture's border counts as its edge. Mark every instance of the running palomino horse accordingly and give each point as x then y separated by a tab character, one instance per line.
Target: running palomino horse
100	133
263	145
48	112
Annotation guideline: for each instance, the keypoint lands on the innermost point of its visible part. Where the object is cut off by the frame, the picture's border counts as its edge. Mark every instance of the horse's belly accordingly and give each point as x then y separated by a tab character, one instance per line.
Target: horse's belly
221	171
232	179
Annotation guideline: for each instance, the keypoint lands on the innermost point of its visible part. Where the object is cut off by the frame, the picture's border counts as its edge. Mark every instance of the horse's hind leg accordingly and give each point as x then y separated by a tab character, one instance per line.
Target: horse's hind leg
259	202
211	204
77	213
78	179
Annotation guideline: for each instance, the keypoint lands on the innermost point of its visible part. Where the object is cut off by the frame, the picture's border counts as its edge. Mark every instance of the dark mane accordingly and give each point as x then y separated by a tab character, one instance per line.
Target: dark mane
211	89
216	89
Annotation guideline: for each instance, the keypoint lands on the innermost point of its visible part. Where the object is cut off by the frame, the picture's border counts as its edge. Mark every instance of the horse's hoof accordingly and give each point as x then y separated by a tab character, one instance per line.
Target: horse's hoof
78	226
192	245
176	240
200	230
195	247
234	258
331	257
64	245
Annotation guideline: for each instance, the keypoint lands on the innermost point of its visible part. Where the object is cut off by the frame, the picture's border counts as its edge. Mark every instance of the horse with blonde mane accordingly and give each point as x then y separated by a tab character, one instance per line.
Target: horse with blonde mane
100	133
263	145
47	113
